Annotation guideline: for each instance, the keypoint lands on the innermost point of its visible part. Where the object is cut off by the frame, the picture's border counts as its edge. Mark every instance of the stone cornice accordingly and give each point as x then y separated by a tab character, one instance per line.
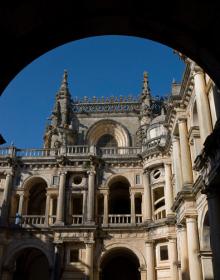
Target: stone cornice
185	194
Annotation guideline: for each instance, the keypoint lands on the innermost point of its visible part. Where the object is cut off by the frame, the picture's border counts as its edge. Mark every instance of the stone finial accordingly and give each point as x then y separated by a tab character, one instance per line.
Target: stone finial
64	83
145	87
145	82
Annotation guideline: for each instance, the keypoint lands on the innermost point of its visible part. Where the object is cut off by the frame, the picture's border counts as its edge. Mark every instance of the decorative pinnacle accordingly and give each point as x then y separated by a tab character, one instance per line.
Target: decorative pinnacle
64	83
145	88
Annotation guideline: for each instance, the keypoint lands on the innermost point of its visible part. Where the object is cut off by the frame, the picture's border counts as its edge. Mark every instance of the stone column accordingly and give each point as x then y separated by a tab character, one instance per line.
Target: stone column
213	197
51	211
143	273
202	102
70	207
47	210
6	198
89	260
147	203
61	200
177	164
20	205
91	196
181	230
195	269
186	163
168	189
84	205
150	259
105	214
173	259
132	199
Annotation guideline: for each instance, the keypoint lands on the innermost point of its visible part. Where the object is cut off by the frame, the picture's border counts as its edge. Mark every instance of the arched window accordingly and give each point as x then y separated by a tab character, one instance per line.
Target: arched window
107	140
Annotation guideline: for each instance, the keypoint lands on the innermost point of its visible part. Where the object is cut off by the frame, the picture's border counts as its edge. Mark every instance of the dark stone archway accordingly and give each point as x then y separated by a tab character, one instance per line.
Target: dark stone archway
120	264
27	264
28	29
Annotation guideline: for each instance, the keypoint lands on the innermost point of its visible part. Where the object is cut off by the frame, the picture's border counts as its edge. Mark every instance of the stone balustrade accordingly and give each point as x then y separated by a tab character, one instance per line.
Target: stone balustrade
70	151
160	213
77	219
33	220
119	151
119	219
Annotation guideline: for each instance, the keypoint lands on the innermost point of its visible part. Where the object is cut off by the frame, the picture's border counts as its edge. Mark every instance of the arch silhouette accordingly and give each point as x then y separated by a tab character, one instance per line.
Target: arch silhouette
31	29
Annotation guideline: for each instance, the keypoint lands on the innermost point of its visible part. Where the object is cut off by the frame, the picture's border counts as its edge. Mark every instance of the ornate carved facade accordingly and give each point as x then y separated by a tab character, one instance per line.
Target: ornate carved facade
113	193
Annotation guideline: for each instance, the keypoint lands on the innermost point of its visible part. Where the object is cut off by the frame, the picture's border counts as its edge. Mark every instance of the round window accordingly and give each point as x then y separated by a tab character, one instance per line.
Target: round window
77	180
156	174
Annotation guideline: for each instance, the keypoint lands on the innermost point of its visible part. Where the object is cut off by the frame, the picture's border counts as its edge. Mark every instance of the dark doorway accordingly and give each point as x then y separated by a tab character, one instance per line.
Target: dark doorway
119	198
31	264
121	264
37	199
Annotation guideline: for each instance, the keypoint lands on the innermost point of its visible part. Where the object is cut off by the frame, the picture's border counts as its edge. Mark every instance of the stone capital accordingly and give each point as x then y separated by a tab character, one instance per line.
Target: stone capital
181	226
91	172
149	242
89	244
62	173
182	119
146	172
9	173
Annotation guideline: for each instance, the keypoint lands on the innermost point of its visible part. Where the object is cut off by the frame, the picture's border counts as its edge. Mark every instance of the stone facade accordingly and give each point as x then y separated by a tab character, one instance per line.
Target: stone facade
113	193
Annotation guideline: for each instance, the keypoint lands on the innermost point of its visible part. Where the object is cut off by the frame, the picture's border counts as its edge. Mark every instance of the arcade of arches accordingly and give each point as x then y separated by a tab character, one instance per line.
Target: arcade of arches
129	199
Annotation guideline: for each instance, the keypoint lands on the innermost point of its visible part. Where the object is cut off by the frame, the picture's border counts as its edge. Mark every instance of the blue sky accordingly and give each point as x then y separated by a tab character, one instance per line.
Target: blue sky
97	66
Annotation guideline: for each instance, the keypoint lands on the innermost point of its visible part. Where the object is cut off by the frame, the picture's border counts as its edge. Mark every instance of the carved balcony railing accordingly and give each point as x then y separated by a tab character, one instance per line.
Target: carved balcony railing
36	152
33	220
138	219
5	151
119	151
78	150
119	219
73	150
160	213
77	219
